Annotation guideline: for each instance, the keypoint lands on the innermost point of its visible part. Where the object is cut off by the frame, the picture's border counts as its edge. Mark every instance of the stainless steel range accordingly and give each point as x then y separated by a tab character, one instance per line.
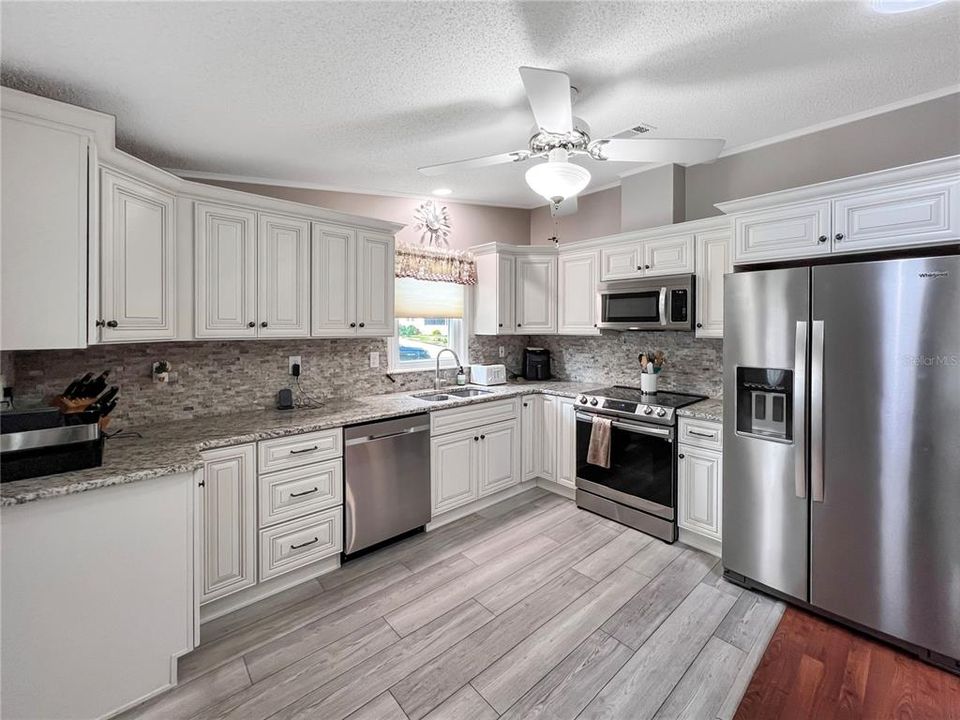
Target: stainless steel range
639	488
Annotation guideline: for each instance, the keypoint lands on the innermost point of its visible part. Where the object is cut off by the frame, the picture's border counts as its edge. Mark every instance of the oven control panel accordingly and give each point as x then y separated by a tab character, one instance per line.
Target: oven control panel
626	408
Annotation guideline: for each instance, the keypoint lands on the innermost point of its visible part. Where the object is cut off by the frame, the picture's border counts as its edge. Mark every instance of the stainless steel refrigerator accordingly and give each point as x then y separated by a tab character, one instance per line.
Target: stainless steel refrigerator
841	454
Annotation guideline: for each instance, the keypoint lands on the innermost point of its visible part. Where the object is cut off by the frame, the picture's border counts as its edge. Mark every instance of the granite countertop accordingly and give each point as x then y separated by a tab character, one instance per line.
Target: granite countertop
175	446
709	409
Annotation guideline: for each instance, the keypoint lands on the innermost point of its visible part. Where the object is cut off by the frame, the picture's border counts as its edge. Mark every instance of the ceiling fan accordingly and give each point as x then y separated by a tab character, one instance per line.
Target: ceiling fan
560	134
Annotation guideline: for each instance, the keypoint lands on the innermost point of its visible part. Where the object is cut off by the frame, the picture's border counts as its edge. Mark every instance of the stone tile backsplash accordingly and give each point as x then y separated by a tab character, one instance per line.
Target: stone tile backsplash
214	378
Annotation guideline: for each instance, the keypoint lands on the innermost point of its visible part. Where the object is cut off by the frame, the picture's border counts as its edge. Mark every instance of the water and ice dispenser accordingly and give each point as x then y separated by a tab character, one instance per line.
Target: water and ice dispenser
765	403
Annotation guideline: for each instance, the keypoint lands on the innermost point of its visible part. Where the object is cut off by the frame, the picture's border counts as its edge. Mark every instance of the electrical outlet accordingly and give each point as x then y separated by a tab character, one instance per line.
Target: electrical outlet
294	360
501	352
374	359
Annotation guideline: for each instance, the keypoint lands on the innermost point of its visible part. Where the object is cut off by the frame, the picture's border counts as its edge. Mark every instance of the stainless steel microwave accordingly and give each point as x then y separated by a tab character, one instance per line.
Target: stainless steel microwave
663	303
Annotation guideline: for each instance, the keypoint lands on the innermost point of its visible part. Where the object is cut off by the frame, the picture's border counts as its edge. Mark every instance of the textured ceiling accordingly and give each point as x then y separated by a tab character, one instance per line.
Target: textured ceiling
357	95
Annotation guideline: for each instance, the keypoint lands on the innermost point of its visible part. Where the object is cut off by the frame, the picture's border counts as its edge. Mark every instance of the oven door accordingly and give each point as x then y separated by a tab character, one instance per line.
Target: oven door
633	309
642	472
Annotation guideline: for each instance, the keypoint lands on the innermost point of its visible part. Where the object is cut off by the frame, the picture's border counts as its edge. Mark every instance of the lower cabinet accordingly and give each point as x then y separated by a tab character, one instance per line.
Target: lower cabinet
531	413
567	443
229	514
700	482
549	422
470	464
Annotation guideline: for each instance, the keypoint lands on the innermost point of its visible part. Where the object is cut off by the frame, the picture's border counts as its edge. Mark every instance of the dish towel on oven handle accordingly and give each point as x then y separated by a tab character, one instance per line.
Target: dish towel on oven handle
599	451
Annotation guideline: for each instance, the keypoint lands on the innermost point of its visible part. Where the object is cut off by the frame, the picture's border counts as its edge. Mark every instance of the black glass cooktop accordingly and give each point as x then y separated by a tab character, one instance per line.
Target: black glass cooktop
632	394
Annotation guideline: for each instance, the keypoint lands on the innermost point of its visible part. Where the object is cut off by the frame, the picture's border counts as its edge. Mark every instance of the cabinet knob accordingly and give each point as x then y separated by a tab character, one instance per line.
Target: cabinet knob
483	437
639	267
100	323
263	324
838	237
680	455
251	324
201	484
112	323
822	239
499	324
361	324
476	439
518	324
646	267
699	325
525	405
353	324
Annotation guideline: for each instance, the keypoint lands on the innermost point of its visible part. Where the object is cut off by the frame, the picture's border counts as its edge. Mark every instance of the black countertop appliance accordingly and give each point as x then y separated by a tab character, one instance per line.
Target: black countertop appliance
536	364
45	442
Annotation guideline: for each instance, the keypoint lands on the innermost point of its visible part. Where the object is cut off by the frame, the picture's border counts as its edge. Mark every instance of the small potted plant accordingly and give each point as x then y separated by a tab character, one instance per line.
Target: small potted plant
161	371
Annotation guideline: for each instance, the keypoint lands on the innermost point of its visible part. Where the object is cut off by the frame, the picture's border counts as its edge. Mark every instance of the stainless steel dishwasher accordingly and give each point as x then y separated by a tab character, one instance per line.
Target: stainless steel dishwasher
387	480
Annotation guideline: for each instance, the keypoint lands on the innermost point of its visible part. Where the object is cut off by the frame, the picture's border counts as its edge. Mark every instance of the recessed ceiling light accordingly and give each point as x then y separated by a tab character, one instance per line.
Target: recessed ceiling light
442	191
891	7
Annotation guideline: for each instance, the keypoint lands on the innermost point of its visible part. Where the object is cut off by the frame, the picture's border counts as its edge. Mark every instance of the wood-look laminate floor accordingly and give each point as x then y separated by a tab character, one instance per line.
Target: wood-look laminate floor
531	608
814	668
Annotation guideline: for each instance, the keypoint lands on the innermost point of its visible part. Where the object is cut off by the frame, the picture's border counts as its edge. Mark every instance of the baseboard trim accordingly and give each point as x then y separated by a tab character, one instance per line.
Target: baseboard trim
556	488
472	507
700	542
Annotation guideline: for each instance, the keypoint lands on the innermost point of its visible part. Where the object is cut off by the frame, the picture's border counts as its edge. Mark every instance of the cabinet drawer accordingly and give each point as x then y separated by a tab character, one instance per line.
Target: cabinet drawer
298	450
701	433
297	543
472	416
294	493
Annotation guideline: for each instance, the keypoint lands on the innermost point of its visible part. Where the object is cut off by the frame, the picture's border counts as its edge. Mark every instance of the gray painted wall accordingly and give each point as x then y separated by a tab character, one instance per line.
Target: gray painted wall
909	135
652	198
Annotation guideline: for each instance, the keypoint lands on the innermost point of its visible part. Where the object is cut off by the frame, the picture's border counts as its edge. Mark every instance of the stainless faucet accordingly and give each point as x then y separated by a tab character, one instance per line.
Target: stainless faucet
436	376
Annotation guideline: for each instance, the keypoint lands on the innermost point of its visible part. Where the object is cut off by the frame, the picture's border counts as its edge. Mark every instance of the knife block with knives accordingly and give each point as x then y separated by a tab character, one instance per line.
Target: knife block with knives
88	399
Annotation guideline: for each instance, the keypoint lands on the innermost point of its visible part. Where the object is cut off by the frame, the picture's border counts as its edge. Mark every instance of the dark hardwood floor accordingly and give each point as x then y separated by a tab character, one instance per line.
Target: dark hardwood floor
813	668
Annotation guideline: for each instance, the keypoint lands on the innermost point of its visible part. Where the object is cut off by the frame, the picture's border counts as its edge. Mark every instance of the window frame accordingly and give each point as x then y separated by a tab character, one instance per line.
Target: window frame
459	343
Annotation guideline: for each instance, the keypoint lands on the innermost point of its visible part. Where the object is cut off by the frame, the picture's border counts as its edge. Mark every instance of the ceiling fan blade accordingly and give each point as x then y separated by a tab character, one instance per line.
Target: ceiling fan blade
686	151
549	94
477	162
568	206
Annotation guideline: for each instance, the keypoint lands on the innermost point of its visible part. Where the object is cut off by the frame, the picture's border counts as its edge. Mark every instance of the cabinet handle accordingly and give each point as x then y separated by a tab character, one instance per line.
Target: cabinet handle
483	437
353	324
525	405
700	434
112	323
518	325
499	324
202	483
251	324
305	450
263	324
305	492
822	239
680	455
361	324
100	323
838	237
699	325
646	267
639	267
476	439
303	545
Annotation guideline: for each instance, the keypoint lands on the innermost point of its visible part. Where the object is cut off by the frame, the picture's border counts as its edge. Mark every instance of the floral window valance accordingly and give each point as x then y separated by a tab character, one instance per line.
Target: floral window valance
423	263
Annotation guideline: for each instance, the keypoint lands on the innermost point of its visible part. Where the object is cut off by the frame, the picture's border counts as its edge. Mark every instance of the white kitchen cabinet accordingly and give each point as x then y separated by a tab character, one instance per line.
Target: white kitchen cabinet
229	512
495	294
46	214
915	214
376	274
352	282
578	274
622	261
699	483
138	283
283	276
549	427
226	272
295	544
499	457
567	443
672	255
506	294
531	413
796	231
713	262
537	294
454	470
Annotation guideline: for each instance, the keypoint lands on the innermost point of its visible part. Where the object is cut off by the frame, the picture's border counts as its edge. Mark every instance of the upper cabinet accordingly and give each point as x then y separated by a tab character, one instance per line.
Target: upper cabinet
714	260
651	257
352	282
496	308
909	206
537	294
283	276
48	181
138	285
516	291
578	274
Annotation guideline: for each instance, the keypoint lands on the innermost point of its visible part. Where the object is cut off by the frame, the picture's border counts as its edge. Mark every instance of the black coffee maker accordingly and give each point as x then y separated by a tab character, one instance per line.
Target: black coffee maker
536	364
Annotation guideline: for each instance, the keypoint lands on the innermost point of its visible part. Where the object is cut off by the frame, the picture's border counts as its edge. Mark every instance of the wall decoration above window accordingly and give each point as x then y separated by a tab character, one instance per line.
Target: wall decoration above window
433	222
422	263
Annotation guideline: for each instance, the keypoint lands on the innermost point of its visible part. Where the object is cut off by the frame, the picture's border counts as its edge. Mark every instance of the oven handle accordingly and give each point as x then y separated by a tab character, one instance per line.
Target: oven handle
663	306
631	427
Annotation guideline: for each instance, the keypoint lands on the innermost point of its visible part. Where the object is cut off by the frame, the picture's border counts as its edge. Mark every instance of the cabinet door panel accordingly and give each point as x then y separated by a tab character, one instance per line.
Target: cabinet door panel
668	256
334	280
226	278
577	296
713	261
138	260
698	481
453	470
567	443
621	262
782	233
375	281
283	268
499	457
506	295
229	521
530	434
548	436
536	294
916	214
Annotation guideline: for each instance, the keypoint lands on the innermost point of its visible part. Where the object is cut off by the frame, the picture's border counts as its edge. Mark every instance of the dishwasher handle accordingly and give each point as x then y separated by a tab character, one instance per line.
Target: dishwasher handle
372	438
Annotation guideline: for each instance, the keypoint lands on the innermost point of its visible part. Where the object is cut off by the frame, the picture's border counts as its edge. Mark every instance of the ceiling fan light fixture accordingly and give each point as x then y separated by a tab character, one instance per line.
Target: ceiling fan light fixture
557	179
442	191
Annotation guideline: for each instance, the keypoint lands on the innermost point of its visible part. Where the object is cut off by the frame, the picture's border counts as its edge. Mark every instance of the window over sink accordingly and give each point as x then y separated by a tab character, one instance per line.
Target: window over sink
430	316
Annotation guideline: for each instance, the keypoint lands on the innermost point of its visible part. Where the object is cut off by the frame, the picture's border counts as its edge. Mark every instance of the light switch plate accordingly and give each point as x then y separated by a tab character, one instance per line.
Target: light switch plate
374	359
294	360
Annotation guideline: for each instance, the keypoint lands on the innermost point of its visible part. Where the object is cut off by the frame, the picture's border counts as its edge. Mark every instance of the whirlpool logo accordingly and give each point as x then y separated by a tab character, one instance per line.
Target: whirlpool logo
934	274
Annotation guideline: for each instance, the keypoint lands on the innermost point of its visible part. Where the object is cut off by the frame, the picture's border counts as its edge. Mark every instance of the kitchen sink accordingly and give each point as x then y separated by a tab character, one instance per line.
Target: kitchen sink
467	392
431	397
450	394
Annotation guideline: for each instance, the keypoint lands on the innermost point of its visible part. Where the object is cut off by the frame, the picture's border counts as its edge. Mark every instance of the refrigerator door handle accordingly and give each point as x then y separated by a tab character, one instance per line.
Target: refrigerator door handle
816	412
800	410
